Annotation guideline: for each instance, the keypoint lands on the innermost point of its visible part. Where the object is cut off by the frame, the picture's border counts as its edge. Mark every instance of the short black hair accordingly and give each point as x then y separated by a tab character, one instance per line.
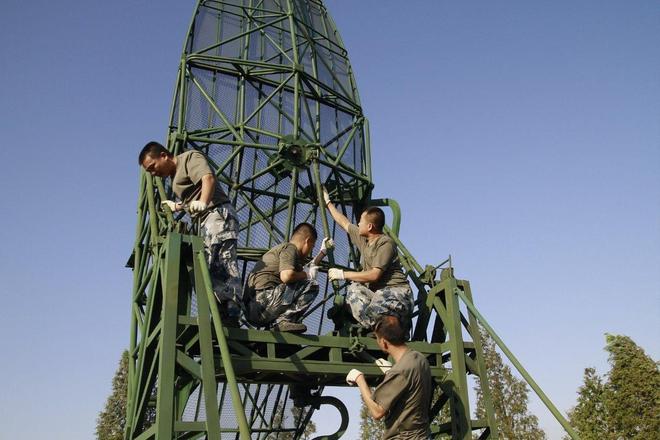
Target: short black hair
306	231
389	328
375	216
152	148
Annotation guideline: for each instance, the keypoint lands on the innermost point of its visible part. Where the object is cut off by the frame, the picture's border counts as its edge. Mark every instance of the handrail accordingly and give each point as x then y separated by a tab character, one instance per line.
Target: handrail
396	212
537	389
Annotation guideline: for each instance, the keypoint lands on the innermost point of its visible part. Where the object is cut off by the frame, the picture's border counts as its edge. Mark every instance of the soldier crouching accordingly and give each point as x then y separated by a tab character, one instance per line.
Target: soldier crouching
279	290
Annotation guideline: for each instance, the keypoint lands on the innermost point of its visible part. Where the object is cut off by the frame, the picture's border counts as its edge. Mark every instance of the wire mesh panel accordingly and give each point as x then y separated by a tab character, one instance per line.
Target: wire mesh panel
265	90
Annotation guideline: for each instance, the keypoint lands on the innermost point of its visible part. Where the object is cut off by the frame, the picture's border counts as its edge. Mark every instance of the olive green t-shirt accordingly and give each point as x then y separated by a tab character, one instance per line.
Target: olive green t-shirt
266	273
381	253
191	166
405	395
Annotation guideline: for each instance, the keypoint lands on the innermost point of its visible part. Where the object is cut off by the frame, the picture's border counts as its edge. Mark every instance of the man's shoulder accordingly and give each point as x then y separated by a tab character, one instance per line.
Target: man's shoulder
278	249
185	154
384	243
354	234
383	238
412	358
188	154
352	229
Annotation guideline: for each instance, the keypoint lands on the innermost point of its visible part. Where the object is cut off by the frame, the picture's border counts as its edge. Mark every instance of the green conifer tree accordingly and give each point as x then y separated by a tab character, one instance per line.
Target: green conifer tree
509	395
627	405
589	417
112	420
632	392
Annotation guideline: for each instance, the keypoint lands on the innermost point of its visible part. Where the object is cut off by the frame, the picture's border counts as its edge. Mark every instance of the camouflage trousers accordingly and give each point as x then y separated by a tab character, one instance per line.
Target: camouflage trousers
285	302
366	305
220	230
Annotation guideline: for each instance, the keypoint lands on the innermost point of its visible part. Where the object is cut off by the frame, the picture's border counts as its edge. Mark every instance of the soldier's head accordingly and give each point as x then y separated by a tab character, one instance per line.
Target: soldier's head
157	160
304	237
371	221
389	332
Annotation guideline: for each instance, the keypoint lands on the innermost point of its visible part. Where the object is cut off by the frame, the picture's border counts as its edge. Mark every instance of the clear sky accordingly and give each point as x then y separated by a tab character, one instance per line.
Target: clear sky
522	138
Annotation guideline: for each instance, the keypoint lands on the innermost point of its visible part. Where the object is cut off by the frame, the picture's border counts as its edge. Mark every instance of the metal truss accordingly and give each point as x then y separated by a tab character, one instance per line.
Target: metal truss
265	89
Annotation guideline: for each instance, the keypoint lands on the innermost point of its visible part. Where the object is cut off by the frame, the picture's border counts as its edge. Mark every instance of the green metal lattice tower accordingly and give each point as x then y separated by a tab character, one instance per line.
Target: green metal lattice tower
265	90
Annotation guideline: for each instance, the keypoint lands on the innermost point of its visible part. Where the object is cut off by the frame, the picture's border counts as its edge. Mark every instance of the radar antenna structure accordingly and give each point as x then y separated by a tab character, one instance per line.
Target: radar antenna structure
265	89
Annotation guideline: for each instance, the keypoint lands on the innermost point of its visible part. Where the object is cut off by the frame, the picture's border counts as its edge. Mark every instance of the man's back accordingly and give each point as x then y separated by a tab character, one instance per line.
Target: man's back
406	395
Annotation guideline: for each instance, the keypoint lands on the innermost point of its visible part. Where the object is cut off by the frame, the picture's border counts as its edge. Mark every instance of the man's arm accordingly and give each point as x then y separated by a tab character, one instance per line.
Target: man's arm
287	266
385	255
291	276
366	276
339	218
376	411
208	188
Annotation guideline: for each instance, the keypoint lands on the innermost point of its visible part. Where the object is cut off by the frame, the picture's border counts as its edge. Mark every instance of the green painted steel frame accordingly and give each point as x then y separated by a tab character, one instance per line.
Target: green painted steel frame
180	352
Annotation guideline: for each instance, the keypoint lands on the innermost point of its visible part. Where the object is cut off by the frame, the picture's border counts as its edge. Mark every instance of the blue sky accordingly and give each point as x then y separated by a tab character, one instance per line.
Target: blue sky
522	138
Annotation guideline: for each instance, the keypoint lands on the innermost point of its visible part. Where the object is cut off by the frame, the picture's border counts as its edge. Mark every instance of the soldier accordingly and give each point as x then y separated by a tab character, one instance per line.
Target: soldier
381	288
201	195
279	290
403	398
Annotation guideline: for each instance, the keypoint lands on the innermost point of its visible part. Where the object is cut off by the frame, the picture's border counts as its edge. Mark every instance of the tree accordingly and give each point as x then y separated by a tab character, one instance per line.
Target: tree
589	416
627	405
370	428
310	427
280	422
632	391
112	420
509	396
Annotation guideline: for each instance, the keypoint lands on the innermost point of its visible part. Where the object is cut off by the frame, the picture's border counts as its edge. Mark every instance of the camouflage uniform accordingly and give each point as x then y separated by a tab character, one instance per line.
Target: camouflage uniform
390	294
366	305
220	232
284	302
218	228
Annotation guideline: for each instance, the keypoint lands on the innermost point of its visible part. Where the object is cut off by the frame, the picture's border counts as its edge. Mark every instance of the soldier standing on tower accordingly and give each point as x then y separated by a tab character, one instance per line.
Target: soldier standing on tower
201	195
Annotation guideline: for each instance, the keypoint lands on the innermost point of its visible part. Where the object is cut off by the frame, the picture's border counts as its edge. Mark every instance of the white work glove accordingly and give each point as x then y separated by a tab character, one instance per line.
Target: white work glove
197	206
312	271
170	204
335	274
326	196
384	365
352	376
327	243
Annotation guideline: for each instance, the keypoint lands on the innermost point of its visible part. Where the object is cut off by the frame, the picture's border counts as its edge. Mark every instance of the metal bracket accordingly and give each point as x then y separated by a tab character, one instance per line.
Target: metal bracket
292	152
304	397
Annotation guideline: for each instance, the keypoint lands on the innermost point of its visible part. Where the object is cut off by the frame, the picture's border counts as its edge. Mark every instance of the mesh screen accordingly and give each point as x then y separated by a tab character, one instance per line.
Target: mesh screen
249	81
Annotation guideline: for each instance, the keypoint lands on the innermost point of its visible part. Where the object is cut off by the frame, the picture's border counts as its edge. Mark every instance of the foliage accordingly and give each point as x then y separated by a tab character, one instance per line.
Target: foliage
370	428
627	405
632	392
509	397
280	421
112	420
310	428
589	417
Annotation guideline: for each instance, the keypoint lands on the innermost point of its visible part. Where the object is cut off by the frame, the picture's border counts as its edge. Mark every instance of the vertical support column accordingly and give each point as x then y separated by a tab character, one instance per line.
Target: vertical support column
481	366
167	358
225	355
457	379
209	385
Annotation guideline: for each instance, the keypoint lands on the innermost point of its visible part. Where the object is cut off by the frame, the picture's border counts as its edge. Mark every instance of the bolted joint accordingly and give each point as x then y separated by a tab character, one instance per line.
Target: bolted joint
292	153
